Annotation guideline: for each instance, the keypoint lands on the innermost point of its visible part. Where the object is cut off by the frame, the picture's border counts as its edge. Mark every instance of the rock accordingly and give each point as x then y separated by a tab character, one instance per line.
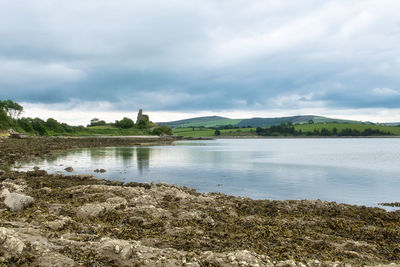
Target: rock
18	136
4	193
10	242
288	263
2	172
114	247
18	202
45	189
69	169
100	170
116	202
58	225
17	186
90	210
56	259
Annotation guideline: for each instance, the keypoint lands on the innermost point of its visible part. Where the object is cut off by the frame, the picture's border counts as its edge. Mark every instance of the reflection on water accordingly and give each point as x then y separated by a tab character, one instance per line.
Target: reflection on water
357	171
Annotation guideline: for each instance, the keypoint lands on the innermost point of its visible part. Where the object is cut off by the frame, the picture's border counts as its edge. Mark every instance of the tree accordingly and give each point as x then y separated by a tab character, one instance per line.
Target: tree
97	122
12	108
54	125
125	123
26	124
162	130
143	124
4	120
39	126
217	132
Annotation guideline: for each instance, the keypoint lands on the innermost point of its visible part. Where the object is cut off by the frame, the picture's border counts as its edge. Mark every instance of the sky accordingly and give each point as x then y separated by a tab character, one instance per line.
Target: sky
76	60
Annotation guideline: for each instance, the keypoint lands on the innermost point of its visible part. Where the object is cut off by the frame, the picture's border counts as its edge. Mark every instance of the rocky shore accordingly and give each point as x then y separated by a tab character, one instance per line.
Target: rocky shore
57	220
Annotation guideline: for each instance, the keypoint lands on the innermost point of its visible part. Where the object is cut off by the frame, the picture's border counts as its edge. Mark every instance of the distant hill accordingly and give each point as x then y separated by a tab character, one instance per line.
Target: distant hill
264	122
213	121
390	123
210	121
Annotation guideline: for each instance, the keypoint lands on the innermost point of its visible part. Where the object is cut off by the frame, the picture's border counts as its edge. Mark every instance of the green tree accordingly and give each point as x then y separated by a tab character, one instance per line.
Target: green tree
125	123
26	124
4	120
12	108
54	125
143	124
217	132
162	130
39	126
96	122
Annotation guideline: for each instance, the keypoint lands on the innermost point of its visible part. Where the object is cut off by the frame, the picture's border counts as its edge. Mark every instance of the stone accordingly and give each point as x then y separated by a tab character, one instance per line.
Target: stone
10	242
69	169
56	260
4	193
18	202
90	210
58	225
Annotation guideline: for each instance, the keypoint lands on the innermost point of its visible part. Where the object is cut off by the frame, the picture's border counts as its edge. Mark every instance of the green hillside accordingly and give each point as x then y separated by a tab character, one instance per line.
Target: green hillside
265	122
215	121
340	126
205	132
210	121
305	128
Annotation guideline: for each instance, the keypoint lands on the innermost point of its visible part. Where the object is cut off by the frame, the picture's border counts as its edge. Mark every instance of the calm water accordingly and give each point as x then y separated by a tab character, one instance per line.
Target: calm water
356	171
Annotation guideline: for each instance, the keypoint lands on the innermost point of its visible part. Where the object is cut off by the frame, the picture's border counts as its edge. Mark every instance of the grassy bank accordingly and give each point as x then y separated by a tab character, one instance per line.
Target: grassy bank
206	132
106	130
394	130
304	128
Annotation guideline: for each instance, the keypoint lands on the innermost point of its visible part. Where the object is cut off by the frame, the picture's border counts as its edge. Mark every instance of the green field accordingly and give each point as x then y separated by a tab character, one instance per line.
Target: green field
105	130
212	123
340	126
205	132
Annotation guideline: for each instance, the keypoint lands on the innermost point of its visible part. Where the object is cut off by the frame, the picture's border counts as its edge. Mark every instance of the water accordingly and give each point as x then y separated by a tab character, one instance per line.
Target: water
355	171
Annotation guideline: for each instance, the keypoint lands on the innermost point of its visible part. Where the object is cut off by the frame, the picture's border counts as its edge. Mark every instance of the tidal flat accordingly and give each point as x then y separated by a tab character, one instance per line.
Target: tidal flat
80	220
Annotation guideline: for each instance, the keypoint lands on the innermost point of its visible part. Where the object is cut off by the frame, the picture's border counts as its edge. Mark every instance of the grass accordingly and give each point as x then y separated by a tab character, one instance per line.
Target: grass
106	130
212	123
340	126
205	132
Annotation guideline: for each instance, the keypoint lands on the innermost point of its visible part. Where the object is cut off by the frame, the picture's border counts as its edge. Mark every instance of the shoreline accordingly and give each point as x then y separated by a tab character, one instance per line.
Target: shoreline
83	220
305	137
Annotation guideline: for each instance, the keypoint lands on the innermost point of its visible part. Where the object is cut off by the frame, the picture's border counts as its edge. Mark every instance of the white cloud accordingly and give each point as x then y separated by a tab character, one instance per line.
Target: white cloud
385	92
215	55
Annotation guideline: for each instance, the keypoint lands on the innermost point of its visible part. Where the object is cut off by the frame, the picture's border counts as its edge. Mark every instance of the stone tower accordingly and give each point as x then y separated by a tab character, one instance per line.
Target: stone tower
139	116
142	117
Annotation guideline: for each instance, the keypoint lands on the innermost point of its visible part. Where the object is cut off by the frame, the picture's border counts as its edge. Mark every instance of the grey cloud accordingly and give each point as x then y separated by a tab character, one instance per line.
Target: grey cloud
201	55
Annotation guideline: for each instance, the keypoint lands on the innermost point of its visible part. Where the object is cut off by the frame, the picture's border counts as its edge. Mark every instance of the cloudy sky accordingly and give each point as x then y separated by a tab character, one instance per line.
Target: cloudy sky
75	60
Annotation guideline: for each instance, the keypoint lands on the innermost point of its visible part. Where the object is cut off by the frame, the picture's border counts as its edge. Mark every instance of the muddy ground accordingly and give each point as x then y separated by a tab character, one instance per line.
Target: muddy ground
83	221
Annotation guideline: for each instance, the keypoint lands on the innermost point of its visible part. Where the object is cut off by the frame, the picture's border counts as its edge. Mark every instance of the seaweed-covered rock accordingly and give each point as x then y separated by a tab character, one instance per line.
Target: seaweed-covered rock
18	202
90	210
9	242
59	224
